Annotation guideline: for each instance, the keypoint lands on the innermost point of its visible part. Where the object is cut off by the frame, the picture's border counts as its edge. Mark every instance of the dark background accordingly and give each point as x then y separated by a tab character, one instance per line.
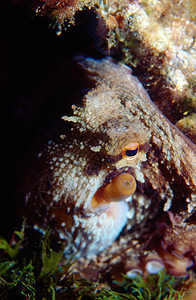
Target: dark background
38	83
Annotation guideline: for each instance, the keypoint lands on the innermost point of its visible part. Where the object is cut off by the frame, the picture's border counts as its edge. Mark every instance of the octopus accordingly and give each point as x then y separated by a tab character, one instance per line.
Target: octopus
116	183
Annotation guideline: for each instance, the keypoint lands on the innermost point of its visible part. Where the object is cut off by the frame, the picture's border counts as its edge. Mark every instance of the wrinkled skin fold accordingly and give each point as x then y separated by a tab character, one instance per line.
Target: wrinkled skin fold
63	178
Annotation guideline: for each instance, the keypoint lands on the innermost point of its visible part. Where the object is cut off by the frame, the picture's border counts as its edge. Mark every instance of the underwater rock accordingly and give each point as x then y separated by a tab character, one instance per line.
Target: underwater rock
81	182
61	11
156	38
188	126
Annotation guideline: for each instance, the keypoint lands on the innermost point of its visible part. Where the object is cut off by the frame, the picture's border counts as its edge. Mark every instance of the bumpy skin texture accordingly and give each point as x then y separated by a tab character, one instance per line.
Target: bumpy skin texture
68	170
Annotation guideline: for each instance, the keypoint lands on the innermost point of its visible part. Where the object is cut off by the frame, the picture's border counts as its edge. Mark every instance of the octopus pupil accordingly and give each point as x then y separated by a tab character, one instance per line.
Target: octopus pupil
131	152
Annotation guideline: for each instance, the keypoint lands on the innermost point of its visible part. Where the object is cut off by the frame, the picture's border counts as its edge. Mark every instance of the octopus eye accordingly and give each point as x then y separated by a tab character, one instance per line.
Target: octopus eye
130	151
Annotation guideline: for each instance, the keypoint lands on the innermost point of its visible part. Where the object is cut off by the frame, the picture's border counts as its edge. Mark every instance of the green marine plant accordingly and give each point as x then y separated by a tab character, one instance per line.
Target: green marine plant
40	276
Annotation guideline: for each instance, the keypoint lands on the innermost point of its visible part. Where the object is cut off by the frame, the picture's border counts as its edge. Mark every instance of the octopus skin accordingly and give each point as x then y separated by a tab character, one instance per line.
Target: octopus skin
105	179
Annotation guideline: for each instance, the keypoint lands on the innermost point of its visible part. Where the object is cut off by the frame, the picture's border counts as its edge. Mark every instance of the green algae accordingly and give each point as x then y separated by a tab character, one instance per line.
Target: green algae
40	274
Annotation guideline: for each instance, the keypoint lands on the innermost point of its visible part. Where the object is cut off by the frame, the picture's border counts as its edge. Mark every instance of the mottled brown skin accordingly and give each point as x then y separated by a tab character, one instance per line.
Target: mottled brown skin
178	243
69	169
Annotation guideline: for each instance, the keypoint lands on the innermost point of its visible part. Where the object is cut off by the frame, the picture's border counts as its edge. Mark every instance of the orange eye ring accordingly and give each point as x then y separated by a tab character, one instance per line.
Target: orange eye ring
131	151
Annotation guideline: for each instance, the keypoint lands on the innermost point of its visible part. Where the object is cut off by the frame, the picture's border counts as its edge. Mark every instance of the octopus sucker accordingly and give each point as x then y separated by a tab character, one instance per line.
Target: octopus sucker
105	180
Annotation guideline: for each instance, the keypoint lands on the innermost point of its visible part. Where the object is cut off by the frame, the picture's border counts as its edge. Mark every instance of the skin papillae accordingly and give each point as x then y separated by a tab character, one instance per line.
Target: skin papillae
106	235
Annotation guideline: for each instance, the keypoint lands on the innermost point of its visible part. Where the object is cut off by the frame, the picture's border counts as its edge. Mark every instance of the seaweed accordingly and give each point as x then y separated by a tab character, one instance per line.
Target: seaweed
159	286
45	274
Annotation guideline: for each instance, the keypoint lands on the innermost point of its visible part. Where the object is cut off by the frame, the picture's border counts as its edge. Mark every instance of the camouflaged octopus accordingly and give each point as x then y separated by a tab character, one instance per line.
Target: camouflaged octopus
118	167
